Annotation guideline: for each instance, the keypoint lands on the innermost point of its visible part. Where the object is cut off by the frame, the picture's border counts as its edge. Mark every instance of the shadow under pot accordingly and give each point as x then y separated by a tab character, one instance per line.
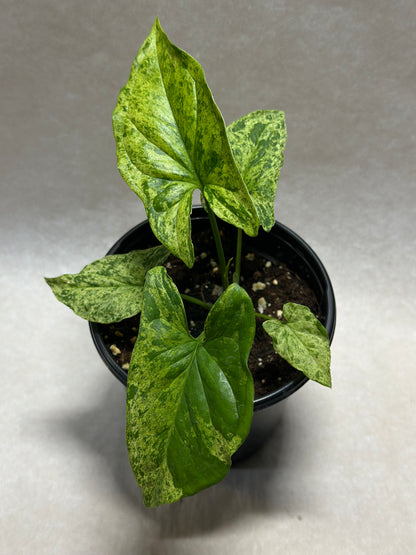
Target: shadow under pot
279	250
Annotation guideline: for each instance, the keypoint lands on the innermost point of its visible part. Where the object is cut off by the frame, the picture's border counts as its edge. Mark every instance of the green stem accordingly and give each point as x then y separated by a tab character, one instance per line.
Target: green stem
264	316
194	300
237	271
218	244
208	306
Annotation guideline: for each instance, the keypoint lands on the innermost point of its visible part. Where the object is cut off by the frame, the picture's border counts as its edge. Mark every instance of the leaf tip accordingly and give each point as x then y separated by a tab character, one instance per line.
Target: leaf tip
328	382
50	281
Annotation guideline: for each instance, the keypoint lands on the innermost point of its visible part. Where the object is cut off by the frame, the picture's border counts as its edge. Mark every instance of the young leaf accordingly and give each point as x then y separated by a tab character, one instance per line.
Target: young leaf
171	139
303	341
110	289
189	401
257	141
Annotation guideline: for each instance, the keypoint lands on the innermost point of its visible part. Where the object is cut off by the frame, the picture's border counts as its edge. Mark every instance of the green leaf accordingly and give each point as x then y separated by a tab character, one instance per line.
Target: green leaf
189	401
109	289
257	141
171	139
303	341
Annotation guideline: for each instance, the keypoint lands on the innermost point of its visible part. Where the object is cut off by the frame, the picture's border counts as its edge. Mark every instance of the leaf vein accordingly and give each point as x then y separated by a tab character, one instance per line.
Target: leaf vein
172	112
174	156
302	343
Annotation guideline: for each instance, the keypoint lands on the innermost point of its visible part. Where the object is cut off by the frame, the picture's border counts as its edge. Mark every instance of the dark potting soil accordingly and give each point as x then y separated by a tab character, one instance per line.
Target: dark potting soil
269	283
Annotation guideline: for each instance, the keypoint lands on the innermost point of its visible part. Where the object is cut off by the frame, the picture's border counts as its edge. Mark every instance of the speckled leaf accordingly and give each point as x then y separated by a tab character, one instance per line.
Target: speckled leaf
171	139
109	289
303	341
257	141
189	400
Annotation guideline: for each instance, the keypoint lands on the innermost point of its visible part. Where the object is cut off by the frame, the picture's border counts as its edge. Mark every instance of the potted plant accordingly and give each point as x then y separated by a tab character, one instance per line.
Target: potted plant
190	392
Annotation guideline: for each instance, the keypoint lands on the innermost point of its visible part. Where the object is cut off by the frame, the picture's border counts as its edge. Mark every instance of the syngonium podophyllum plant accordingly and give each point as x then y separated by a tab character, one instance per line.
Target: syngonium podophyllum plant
190	399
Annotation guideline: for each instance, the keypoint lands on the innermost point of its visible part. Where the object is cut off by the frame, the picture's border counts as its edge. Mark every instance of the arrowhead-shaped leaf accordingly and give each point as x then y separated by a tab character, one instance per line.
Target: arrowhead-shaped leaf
303	341
189	401
257	141
171	139
109	289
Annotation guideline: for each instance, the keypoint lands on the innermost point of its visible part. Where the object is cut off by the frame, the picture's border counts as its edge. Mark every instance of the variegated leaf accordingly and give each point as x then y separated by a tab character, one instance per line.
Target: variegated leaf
257	141
189	400
303	341
171	139
109	289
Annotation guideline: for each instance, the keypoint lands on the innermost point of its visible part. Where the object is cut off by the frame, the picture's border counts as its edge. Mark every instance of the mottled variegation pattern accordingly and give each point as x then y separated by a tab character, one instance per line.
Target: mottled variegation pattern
171	139
189	400
109	289
303	341
257	141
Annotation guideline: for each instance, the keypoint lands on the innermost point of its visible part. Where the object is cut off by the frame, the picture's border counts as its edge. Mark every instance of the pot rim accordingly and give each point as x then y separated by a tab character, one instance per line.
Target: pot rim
298	245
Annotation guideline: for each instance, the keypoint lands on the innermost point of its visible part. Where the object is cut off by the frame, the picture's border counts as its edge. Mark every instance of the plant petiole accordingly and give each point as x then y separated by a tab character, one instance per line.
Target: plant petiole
194	300
218	244
263	316
236	275
208	306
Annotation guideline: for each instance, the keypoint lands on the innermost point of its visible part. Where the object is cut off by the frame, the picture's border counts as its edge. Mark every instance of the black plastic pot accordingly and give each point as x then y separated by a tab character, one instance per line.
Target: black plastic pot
279	244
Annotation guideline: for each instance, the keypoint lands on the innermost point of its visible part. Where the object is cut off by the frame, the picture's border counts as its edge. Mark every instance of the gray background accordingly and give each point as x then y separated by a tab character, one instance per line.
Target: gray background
339	476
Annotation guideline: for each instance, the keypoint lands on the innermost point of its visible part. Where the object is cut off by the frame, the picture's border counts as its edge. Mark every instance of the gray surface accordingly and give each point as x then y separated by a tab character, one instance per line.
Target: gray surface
339	476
